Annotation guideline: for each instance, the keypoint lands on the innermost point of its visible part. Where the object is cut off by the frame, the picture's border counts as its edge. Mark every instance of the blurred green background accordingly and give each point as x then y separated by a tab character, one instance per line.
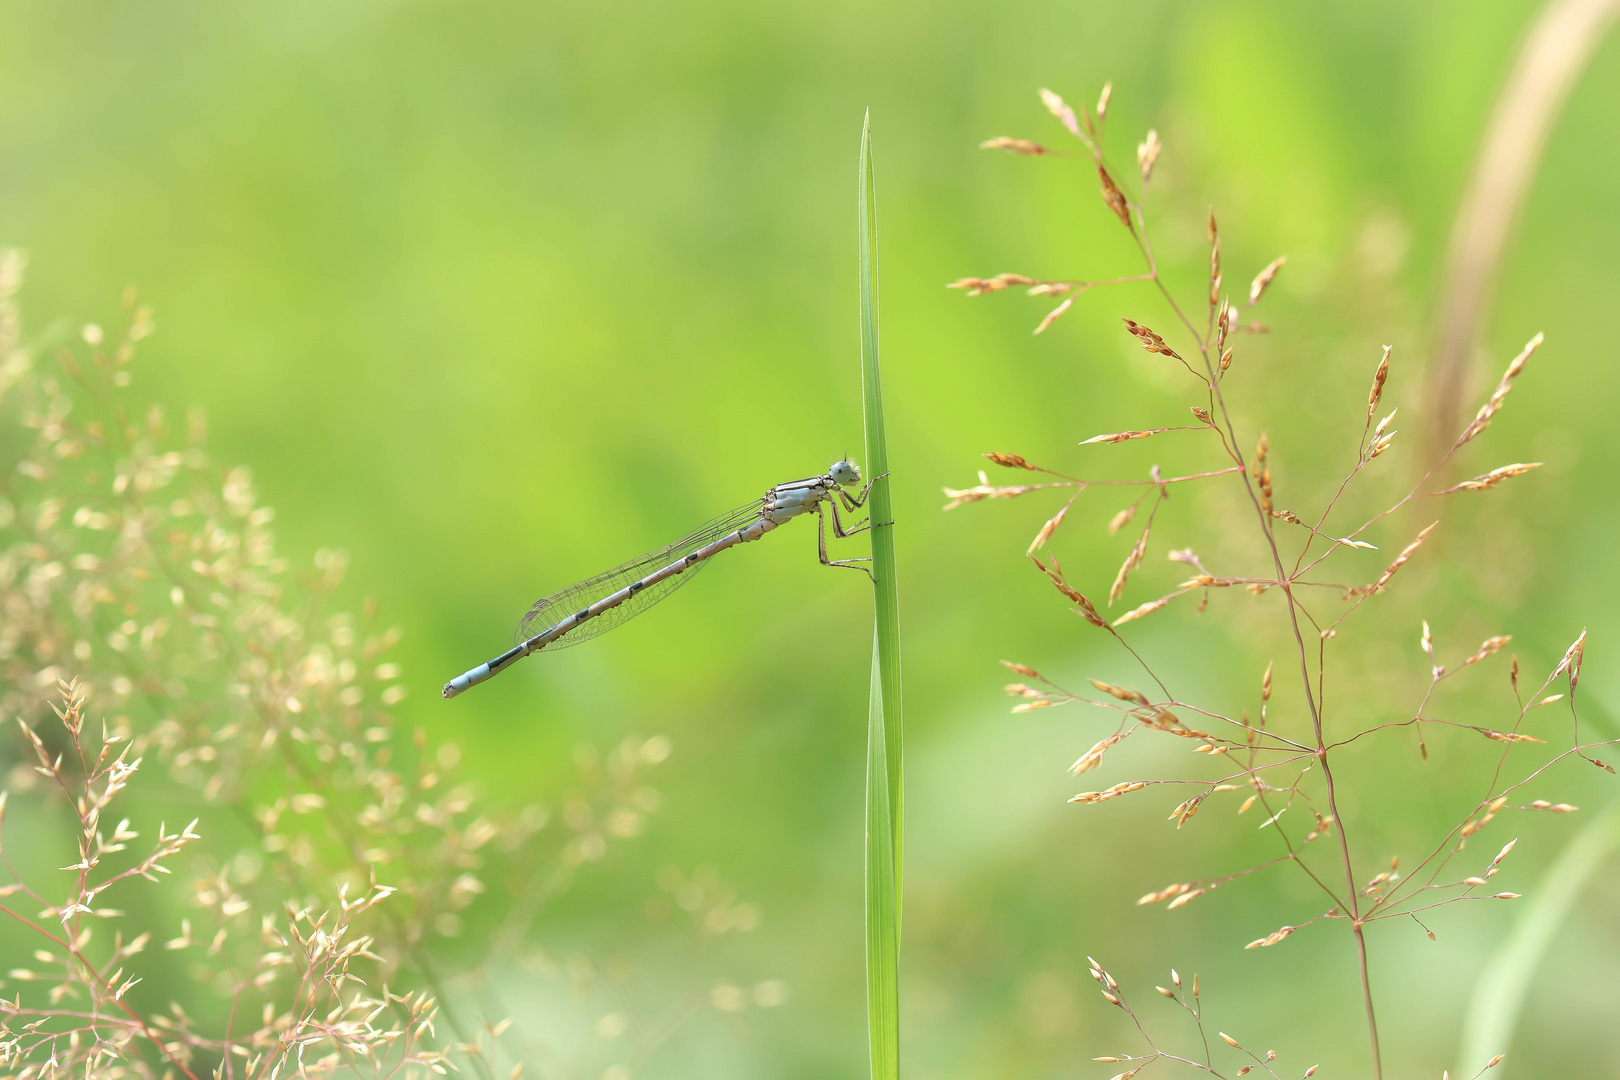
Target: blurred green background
496	295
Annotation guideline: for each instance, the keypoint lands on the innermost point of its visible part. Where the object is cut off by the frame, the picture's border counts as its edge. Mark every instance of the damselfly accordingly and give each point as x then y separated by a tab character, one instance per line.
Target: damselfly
597	605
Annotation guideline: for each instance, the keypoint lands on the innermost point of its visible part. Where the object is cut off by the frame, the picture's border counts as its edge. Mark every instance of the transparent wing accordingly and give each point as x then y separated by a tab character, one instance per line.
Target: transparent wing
551	610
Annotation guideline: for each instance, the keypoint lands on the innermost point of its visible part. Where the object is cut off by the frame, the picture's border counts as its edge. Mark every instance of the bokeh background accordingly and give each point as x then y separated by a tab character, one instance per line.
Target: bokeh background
495	295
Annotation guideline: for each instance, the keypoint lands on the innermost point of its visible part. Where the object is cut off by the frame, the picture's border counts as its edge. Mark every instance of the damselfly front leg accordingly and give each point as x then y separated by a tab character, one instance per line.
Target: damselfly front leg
852	503
855	502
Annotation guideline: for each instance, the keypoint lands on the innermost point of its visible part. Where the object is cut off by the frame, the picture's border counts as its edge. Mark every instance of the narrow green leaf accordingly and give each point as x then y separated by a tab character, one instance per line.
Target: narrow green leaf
882	903
883	745
1501	989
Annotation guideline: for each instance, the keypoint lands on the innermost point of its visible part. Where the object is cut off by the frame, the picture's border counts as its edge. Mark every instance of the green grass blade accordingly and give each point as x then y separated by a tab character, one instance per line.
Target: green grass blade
883	773
1500	992
882	907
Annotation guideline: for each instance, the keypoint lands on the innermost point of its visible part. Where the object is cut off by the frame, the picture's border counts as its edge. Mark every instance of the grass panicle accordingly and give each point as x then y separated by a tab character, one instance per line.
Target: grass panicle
1286	768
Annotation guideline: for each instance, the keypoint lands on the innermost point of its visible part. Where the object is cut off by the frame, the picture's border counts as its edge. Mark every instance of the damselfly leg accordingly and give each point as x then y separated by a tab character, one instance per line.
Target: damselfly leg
851	503
821	541
838	523
855	502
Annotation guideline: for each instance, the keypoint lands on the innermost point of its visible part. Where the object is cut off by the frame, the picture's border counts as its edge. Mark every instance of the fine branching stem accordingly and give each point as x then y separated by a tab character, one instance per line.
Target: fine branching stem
1257	749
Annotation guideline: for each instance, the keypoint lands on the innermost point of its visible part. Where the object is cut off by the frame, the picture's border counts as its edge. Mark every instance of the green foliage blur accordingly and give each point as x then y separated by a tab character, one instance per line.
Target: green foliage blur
495	296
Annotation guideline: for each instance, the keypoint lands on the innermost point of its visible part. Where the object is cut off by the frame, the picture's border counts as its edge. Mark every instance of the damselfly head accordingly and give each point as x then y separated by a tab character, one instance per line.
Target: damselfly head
844	473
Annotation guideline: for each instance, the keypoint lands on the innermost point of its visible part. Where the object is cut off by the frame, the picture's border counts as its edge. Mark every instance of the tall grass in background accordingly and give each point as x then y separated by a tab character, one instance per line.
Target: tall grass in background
1293	754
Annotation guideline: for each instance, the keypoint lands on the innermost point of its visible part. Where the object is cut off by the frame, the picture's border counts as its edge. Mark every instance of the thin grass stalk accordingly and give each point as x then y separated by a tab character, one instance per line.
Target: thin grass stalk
1556	49
882	900
1313	698
883	745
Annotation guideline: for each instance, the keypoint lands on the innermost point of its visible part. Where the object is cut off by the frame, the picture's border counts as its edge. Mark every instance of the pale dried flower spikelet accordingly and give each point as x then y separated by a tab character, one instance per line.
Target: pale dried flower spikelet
1486	481
1377	392
1147	155
1065	115
1122	436
1262	280
1482	419
975	286
1048	529
1093	757
1013	146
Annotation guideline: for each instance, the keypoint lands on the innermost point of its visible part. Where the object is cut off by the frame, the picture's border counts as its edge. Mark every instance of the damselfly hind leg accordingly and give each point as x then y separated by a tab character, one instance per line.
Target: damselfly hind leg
821	546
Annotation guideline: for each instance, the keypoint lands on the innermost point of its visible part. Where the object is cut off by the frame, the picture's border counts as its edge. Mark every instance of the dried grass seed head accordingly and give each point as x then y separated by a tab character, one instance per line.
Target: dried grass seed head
1151	341
1048	529
1065	115
1147	155
1114	198
1013	146
1008	461
977	286
1400	560
1377	391
1482	419
1262	280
